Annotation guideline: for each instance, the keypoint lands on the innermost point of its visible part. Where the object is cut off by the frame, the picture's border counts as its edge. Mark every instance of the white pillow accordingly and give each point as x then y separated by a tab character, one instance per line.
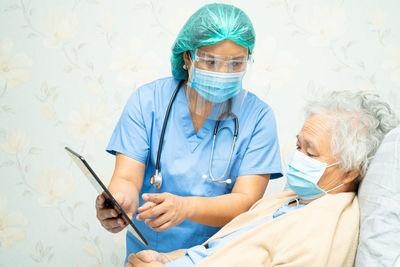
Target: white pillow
379	196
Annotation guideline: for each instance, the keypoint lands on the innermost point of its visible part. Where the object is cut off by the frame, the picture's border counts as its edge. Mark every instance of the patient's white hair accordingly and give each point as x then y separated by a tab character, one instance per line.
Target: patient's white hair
361	119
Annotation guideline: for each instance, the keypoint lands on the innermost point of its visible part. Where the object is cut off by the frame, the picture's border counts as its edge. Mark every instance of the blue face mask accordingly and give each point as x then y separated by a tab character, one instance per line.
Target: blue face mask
303	174
216	87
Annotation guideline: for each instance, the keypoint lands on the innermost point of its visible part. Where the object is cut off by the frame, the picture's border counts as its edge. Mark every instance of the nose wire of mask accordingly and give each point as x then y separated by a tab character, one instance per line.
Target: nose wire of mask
303	174
216	87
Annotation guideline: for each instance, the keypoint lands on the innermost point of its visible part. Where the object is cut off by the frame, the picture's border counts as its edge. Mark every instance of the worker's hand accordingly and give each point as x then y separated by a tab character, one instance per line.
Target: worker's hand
108	216
166	211
135	261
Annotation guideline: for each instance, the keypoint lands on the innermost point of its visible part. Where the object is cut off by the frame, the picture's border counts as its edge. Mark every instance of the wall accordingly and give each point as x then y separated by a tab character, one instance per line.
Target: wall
68	67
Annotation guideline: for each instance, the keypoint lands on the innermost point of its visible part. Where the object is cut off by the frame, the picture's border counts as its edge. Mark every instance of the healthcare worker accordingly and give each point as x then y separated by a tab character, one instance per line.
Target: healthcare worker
218	148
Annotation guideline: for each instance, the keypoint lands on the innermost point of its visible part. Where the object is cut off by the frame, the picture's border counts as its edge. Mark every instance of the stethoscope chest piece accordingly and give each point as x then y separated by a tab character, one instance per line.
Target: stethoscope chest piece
156	180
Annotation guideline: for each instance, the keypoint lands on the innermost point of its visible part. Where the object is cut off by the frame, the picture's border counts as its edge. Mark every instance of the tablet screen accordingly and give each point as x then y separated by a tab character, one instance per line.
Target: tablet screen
100	188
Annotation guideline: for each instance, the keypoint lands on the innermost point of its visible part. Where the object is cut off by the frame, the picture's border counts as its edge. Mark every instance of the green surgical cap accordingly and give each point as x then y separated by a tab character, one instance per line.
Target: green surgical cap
211	24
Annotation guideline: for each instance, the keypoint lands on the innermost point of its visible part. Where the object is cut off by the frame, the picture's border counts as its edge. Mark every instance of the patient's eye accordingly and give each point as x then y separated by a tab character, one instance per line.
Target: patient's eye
310	155
298	147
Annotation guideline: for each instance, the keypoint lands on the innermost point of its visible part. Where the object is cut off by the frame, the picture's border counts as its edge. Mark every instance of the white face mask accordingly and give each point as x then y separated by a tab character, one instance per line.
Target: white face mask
303	174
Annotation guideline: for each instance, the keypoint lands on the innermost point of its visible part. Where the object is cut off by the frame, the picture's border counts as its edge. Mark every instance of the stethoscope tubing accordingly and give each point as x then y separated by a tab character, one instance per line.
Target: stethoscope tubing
157	178
160	144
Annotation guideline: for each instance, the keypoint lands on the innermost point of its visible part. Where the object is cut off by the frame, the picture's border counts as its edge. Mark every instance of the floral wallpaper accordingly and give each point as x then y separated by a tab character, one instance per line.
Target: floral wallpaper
68	67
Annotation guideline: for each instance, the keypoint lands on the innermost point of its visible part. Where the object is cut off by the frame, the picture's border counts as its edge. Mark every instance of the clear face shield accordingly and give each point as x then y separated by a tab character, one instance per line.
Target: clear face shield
214	87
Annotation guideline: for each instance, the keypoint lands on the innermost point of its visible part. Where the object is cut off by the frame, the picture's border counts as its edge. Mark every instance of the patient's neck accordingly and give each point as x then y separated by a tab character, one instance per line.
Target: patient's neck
303	201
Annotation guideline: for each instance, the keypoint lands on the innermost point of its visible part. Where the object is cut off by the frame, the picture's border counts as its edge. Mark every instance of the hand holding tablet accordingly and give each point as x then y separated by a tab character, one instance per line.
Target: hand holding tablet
106	199
109	217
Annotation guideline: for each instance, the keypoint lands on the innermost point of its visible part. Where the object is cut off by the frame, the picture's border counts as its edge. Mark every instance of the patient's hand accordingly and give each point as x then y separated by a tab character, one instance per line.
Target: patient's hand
151	255
148	258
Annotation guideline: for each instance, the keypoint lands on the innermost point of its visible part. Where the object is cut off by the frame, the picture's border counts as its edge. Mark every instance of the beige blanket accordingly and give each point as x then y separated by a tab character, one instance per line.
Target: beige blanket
323	233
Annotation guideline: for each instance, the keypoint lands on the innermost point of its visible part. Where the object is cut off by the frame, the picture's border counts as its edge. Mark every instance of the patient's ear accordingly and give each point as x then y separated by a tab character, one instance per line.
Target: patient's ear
350	176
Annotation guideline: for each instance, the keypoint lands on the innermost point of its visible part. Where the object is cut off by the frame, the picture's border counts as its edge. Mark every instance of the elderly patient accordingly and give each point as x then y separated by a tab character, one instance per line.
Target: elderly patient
315	224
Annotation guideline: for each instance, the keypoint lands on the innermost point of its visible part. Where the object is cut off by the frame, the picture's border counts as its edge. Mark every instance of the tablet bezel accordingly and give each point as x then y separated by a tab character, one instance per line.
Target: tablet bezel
109	195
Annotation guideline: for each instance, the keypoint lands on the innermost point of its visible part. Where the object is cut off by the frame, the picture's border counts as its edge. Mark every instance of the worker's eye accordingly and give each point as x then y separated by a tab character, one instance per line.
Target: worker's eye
210	62
237	64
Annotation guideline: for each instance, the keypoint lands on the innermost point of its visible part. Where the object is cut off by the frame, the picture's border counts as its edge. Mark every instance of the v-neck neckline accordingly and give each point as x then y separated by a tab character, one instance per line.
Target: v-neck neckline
194	139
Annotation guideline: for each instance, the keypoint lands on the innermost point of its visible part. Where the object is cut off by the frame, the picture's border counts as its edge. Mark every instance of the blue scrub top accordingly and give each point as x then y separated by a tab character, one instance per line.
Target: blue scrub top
185	155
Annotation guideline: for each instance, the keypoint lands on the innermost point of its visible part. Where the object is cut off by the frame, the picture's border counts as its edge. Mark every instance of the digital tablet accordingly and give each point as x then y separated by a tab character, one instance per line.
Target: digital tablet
99	186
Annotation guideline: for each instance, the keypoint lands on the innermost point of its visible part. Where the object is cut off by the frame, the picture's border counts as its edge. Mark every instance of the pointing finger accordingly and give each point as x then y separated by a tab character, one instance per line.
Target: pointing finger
146	206
155	198
158	221
150	213
163	227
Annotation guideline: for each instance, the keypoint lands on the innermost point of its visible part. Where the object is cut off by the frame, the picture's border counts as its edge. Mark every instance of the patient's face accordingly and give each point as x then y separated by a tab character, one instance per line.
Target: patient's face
314	140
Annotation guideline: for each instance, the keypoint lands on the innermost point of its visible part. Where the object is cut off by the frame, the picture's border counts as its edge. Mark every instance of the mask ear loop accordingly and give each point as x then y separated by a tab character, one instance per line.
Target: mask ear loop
333	164
336	187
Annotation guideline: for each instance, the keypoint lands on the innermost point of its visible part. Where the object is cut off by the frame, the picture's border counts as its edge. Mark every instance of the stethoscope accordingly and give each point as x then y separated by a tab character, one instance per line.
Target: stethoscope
156	179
